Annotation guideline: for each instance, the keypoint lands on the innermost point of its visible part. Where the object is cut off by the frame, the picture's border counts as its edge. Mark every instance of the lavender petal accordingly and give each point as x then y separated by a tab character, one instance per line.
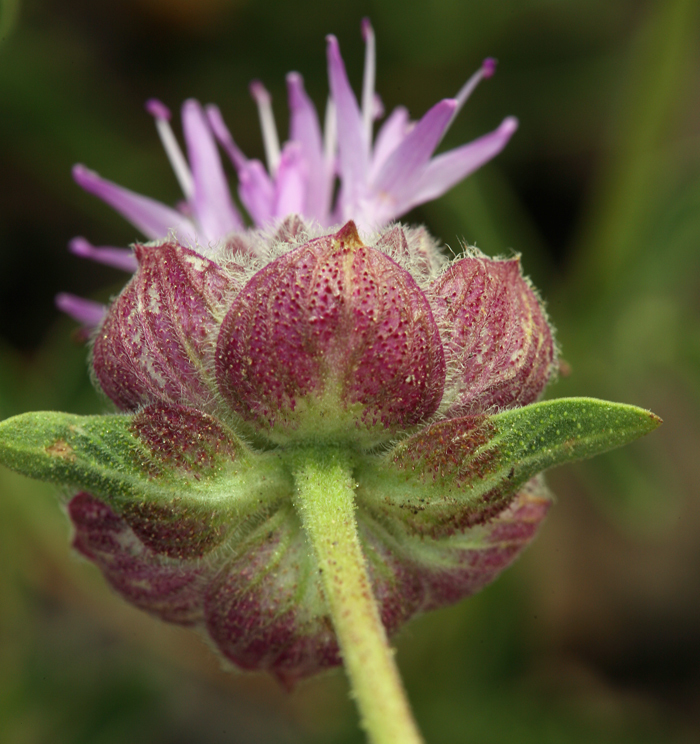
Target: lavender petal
389	137
304	128
352	142
222	133
257	192
212	204
405	165
120	258
86	312
155	220
290	184
446	170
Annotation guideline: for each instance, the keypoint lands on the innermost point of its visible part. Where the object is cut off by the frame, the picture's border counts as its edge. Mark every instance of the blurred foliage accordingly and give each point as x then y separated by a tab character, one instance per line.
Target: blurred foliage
595	634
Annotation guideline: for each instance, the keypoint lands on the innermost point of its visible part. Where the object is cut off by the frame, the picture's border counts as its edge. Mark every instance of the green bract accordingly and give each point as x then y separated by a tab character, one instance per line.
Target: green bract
449	506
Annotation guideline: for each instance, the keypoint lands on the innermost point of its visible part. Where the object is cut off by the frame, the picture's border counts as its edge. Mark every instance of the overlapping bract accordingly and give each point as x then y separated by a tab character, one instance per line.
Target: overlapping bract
263	606
330	328
332	341
154	343
331	335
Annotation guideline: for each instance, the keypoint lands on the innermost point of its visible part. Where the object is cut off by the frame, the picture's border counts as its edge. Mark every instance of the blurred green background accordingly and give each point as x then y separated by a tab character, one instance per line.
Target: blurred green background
595	634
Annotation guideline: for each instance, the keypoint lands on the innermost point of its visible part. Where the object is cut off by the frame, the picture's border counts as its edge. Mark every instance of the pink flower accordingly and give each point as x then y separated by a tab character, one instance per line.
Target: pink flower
379	180
324	427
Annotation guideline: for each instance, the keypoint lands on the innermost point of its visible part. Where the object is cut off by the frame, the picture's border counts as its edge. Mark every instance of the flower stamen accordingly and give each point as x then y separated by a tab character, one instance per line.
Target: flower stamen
271	140
368	99
330	133
161	113
487	70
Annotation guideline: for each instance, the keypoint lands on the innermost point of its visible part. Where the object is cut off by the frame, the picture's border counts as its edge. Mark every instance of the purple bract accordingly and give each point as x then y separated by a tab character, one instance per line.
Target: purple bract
331	341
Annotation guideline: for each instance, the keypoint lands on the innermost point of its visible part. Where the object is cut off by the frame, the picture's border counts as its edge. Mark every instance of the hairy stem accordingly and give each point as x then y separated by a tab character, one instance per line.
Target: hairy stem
325	502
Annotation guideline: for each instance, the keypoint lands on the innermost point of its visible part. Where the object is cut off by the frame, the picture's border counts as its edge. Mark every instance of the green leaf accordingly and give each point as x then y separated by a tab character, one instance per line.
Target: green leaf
542	435
178	476
460	472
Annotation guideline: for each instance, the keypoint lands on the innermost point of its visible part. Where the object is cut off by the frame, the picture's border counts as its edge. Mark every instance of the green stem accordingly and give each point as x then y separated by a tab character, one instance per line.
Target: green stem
325	502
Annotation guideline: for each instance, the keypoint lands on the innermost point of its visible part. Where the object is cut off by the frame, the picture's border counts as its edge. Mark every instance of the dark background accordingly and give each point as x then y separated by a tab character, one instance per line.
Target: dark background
595	634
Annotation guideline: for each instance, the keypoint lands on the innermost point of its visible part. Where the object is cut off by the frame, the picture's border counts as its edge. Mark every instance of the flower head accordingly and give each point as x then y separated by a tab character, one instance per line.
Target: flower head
378	181
422	376
304	404
380	349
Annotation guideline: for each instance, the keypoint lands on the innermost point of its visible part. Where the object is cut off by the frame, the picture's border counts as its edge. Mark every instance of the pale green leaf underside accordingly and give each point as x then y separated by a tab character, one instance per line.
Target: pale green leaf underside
542	435
484	466
490	462
103	455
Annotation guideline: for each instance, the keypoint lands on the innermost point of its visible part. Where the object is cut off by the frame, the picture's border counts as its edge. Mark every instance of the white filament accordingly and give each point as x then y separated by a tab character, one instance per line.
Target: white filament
368	81
462	96
175	156
330	133
269	129
467	89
